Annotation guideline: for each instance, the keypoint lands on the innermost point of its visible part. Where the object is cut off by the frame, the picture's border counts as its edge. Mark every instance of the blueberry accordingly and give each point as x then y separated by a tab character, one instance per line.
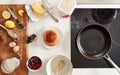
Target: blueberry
30	67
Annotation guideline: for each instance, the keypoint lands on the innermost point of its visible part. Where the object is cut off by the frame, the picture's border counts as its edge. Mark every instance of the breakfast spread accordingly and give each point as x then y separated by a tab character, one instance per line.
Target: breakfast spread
9	31
51	37
6	14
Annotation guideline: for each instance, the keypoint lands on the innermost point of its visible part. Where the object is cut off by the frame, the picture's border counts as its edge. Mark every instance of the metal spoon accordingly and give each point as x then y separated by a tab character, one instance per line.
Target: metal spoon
60	66
11	33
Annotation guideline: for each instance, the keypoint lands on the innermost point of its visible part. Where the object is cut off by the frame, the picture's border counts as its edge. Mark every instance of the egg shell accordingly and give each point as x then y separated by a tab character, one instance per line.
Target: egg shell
16	49
12	44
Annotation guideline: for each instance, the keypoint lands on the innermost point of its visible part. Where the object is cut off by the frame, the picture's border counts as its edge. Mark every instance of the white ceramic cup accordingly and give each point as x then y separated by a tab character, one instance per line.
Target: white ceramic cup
65	9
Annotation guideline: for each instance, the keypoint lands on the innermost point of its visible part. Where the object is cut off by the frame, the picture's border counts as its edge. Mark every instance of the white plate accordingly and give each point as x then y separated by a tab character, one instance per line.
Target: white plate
30	13
68	67
42	39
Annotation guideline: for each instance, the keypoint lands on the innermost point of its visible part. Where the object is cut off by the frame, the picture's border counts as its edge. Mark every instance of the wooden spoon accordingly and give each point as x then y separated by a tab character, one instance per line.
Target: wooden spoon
11	33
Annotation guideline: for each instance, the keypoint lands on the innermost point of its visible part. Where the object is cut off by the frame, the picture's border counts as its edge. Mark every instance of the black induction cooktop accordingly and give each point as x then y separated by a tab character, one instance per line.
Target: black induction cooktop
108	18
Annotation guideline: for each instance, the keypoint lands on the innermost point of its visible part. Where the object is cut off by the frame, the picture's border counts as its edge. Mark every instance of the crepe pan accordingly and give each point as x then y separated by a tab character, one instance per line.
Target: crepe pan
94	42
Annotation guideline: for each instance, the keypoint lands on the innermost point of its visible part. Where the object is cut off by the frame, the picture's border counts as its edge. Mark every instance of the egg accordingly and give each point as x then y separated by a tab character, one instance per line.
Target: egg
16	49
12	44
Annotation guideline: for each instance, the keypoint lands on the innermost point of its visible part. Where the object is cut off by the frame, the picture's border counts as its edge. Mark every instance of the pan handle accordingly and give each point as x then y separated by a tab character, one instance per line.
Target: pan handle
110	60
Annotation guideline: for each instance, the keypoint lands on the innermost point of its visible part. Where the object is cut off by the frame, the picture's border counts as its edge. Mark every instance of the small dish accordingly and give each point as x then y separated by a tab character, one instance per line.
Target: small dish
51	28
9	65
30	12
65	68
34	63
65	9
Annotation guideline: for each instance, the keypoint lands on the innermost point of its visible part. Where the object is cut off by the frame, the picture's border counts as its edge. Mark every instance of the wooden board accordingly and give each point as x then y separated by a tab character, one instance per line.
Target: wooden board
5	51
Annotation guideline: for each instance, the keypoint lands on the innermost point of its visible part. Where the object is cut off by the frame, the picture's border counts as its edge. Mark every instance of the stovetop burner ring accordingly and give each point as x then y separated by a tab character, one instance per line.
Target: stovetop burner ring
104	16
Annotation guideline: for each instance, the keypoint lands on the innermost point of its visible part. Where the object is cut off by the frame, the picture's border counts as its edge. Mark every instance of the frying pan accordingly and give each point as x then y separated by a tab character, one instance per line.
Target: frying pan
94	42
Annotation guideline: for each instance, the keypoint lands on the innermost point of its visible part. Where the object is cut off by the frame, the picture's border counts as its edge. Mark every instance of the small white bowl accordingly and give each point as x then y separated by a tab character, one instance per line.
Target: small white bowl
32	70
67	69
62	11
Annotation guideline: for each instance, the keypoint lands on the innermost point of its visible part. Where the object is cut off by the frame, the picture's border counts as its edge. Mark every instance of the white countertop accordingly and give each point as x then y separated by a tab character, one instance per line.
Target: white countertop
36	48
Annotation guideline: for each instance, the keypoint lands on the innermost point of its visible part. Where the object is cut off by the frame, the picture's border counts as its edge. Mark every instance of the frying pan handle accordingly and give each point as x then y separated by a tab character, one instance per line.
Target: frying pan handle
110	60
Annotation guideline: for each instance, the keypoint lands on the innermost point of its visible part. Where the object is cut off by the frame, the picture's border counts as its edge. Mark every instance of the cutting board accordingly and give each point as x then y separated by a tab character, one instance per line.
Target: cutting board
5	51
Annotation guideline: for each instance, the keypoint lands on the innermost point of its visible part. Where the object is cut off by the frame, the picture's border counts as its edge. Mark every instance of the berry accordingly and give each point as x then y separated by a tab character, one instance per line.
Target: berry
34	63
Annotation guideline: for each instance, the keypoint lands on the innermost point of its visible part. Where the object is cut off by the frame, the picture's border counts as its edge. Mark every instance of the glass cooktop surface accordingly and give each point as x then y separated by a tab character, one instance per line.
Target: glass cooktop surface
83	17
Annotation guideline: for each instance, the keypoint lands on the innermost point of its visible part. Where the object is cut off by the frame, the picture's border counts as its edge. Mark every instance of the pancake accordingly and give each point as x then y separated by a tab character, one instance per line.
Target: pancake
51	37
